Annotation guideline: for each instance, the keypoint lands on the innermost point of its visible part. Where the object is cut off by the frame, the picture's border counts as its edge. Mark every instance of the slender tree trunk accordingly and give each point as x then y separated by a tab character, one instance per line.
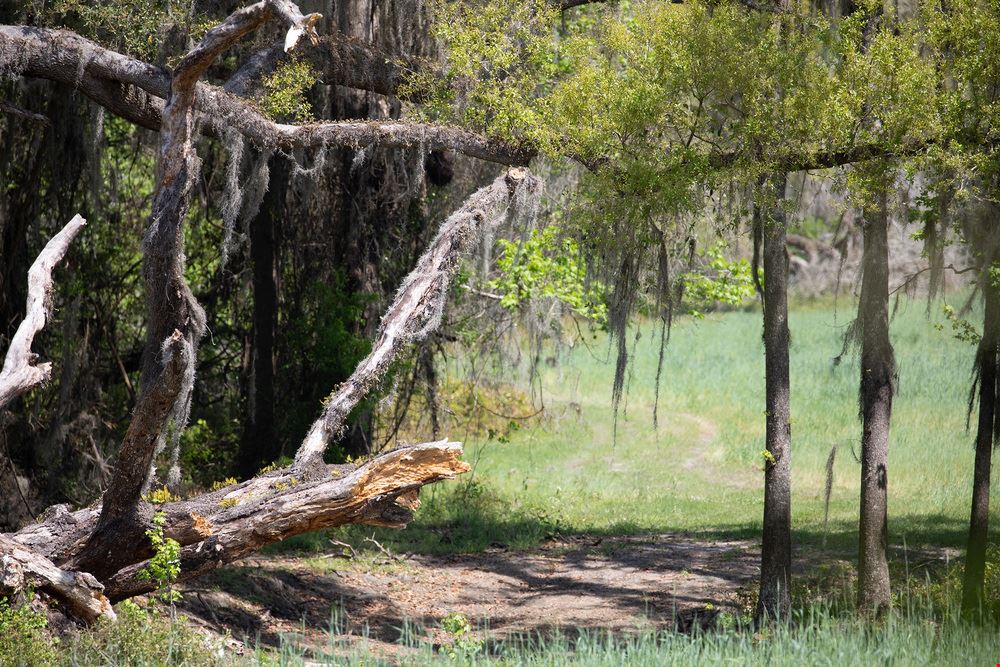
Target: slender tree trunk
260	445
776	550
878	368
986	360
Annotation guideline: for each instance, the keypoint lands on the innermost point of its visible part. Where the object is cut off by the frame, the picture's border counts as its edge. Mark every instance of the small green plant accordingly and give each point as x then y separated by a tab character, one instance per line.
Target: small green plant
226	503
285	91
23	639
165	565
768	457
463	643
221	484
161	496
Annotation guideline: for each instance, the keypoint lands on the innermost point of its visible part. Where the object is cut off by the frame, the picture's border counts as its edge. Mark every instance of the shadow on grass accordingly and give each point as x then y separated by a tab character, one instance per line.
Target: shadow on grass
472	518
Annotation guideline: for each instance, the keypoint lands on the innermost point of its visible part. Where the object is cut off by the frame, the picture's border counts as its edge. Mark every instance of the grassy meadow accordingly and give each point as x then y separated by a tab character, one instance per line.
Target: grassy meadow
699	469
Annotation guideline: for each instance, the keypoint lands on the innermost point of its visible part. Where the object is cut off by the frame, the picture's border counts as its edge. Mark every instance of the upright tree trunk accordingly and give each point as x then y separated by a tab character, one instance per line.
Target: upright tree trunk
260	444
986	360
776	549
878	368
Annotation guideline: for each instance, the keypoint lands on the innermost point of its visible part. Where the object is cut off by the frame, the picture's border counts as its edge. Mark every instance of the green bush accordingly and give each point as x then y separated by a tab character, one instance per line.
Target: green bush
285	91
23	636
143	636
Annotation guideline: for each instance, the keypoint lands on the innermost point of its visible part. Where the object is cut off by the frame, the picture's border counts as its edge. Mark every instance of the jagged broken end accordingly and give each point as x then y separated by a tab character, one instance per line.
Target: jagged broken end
392	480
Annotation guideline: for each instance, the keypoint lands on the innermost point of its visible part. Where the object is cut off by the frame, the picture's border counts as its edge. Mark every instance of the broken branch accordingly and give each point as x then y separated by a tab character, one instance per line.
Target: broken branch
21	371
80	592
416	310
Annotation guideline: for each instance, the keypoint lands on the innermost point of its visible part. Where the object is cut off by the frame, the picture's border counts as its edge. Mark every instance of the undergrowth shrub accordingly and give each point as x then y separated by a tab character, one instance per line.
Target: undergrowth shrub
944	593
23	636
143	636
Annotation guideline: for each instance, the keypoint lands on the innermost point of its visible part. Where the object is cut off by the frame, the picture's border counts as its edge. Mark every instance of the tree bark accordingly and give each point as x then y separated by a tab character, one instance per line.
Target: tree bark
878	369
776	549
973	584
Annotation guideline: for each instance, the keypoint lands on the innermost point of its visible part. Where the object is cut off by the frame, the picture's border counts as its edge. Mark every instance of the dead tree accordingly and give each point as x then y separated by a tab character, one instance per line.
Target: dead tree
85	559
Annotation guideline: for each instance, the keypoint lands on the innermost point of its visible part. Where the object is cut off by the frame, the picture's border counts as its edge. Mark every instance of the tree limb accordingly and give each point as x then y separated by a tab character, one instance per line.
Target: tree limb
81	593
21	371
129	88
417	307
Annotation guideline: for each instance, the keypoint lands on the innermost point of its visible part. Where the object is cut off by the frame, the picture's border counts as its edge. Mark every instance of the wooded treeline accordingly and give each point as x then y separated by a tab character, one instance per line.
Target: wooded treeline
279	231
361	220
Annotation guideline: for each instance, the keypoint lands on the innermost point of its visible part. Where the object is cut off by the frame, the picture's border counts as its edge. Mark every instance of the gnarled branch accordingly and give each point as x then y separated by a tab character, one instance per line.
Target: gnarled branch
21	371
417	307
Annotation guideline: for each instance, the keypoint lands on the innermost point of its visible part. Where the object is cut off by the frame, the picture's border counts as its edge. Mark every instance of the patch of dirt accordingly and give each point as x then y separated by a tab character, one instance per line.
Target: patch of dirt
617	584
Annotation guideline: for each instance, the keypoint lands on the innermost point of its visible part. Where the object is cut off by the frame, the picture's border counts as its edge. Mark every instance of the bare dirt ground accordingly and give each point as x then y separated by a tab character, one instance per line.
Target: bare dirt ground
617	584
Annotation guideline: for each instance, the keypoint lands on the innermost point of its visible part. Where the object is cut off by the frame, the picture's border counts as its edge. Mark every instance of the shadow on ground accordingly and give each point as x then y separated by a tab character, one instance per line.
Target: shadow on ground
565	584
616	584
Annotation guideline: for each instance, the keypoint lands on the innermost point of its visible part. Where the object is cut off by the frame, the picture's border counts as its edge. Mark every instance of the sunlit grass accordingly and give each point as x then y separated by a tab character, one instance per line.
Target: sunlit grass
915	635
699	469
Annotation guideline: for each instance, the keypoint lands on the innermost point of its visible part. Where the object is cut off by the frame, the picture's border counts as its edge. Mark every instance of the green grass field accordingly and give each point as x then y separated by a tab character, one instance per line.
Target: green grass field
700	469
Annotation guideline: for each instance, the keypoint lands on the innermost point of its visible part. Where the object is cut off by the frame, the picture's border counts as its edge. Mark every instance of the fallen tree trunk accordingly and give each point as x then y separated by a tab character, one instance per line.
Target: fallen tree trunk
383	492
271	507
219	527
81	594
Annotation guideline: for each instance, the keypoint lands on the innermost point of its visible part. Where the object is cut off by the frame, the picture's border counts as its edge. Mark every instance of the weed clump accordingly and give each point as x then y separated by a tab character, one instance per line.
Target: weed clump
24	639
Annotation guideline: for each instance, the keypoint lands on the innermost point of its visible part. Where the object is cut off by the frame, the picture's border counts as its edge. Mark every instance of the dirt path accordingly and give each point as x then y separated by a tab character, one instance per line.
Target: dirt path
611	583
